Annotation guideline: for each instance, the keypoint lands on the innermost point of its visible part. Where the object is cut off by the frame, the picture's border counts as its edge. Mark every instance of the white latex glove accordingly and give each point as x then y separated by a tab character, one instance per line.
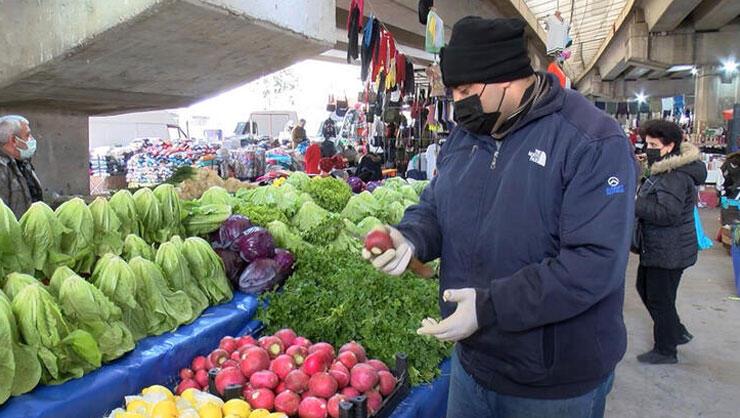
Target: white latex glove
397	259
458	326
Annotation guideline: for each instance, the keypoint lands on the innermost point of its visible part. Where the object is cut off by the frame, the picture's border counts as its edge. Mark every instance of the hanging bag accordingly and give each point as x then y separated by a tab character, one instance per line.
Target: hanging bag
332	105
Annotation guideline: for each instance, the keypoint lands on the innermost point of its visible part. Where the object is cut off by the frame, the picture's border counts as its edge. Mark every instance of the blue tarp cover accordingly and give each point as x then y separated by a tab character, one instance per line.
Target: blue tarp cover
427	401
156	360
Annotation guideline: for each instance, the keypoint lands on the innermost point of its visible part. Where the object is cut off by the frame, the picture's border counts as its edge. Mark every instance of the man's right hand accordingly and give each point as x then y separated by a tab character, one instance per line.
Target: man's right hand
396	260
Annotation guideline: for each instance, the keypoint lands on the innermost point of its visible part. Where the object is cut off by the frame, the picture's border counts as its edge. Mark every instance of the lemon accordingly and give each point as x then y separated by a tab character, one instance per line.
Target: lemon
189	395
139	406
237	407
158	389
189	413
235	416
165	409
260	413
210	410
129	415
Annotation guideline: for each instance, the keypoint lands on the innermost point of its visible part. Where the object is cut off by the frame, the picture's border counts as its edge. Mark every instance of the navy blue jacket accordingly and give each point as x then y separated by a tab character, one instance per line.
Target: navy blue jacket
540	225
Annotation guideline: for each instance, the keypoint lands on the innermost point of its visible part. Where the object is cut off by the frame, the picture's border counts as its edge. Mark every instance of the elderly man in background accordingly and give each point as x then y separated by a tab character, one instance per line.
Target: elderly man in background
19	185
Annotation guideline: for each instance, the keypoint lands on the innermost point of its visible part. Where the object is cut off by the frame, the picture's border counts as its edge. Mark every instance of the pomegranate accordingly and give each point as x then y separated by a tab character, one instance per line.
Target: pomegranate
297	381
298	352
363	377
322	385
348	359
273	345
387	382
374	401
264	379
186	384
201	377
312	407
229	344
218	357
254	360
287	402
186	374
287	336
378	365
322	346
199	363
302	341
261	398
228	376
282	365
341	377
332	406
355	348
315	363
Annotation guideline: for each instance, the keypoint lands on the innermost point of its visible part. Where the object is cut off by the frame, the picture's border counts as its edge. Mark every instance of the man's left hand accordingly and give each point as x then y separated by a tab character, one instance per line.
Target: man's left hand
458	326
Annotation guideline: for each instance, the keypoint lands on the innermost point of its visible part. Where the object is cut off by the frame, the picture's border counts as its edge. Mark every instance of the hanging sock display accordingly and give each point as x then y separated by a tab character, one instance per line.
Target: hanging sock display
435	34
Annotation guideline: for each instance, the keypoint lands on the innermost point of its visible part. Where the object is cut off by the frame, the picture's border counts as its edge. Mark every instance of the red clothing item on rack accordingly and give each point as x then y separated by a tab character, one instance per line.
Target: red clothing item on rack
312	158
385	51
360	4
401	72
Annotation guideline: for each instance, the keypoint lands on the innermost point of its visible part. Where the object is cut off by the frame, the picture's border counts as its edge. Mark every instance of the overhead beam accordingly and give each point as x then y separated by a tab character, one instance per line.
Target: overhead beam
713	14
666	15
626	12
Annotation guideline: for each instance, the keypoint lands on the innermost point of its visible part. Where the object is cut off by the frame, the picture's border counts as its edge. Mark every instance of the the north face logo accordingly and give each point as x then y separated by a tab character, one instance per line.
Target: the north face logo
538	157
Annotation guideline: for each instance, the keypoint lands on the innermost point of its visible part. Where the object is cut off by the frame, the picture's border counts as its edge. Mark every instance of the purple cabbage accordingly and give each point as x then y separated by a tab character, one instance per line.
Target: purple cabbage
259	276
356	184
255	243
231	229
284	260
371	186
215	240
233	264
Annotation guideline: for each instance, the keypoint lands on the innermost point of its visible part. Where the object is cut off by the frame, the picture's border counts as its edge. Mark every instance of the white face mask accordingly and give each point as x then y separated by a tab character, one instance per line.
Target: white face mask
30	150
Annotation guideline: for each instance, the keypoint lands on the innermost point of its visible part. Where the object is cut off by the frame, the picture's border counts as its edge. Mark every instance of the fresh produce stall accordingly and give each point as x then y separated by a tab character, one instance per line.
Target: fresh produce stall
155	360
129	281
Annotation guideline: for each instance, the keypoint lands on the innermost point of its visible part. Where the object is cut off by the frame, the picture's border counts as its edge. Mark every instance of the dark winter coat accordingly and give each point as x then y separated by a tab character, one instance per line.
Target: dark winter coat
19	185
665	210
540	225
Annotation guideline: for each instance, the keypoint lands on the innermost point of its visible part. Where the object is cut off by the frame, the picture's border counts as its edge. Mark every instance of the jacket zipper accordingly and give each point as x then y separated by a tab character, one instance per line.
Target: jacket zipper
495	155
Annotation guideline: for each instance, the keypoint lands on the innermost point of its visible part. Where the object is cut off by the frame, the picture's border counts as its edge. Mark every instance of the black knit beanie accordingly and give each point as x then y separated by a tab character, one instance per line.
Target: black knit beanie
485	51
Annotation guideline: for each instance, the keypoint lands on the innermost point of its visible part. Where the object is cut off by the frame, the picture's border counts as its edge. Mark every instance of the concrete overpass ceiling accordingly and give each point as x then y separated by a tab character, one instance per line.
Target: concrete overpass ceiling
590	23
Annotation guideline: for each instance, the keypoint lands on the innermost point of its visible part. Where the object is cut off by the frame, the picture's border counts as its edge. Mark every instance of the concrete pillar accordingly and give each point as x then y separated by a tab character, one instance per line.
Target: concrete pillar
62	157
712	97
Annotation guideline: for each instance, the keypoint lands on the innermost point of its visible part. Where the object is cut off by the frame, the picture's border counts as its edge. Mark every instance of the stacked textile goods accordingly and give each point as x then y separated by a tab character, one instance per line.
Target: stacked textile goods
249	162
157	160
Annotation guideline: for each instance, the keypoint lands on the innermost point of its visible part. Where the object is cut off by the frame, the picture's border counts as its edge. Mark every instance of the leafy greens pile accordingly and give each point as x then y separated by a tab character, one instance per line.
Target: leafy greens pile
338	297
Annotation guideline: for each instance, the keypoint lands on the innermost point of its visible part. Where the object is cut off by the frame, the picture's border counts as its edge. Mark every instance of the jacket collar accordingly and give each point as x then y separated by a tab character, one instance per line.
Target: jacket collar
689	153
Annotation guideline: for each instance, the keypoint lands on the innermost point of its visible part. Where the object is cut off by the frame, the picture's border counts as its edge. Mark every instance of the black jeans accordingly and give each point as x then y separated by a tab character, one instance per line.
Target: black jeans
657	288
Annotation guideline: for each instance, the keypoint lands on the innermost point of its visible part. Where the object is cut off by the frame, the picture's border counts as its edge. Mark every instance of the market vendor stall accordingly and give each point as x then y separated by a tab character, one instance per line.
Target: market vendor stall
155	360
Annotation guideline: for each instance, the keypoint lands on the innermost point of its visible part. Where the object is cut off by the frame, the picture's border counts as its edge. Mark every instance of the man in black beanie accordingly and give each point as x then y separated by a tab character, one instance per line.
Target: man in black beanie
531	214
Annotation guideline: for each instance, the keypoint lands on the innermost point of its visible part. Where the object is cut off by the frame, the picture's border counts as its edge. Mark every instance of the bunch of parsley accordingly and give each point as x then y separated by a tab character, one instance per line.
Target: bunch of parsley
338	297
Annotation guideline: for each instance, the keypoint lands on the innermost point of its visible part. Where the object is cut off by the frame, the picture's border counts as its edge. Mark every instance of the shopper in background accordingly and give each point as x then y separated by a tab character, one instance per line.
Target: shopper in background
665	216
299	133
329	130
531	214
431	154
312	158
370	167
19	185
